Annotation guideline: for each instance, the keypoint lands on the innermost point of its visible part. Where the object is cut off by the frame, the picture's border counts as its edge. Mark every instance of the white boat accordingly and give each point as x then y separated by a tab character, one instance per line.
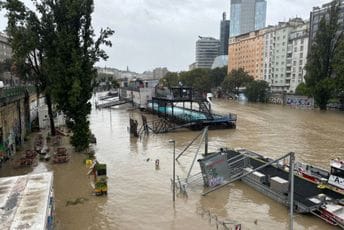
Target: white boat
333	180
331	211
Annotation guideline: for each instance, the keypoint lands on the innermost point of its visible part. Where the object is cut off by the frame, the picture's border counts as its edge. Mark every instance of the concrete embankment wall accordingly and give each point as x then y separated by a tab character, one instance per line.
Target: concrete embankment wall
16	111
292	100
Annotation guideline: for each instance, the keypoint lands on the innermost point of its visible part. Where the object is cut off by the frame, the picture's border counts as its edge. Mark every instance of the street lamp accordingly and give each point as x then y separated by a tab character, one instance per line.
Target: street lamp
174	169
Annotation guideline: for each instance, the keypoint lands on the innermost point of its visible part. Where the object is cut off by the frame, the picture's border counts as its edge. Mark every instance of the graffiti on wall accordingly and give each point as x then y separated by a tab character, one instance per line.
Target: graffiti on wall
300	101
276	100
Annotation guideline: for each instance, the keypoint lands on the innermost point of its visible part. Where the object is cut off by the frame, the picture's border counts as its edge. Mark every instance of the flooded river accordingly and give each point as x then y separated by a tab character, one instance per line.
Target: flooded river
140	196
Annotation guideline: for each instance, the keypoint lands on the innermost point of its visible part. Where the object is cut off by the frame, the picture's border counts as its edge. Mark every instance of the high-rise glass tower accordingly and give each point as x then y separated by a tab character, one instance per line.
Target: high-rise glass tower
246	16
224	35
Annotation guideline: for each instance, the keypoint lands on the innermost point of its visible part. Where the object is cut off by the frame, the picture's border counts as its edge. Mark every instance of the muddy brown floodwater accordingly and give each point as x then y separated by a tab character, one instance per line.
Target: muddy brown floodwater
140	196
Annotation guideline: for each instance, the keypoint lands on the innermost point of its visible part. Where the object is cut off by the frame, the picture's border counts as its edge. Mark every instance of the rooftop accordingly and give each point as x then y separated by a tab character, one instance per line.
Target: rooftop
24	201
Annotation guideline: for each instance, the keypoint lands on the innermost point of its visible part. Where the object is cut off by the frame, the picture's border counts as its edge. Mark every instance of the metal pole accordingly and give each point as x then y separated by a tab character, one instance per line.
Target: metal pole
174	170
199	146
206	142
189	145
291	174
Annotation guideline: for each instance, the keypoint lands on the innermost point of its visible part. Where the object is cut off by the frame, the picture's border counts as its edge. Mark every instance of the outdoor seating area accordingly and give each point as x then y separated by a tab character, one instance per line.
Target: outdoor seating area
61	156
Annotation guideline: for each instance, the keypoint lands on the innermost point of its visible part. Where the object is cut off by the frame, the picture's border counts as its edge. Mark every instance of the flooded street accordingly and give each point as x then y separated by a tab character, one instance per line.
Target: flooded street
140	196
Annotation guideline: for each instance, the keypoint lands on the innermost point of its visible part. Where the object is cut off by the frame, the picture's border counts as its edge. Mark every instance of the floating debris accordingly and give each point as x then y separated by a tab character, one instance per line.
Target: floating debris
77	201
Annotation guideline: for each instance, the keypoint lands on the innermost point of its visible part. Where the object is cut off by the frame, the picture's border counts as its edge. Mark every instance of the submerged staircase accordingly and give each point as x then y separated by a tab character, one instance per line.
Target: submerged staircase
205	108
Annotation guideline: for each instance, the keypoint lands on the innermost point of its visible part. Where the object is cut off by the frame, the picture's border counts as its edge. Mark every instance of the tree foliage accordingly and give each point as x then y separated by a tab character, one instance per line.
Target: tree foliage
196	78
217	76
236	79
320	62
202	80
31	36
339	70
73	68
57	50
171	79
257	91
302	89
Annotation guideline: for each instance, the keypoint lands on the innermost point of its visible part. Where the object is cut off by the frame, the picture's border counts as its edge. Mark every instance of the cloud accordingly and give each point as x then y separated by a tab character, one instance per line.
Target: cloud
154	33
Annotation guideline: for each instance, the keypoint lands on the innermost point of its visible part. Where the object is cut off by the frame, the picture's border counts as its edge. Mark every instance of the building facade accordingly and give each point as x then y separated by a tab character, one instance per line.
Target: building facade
207	49
285	55
246	16
224	35
319	12
247	51
298	47
5	48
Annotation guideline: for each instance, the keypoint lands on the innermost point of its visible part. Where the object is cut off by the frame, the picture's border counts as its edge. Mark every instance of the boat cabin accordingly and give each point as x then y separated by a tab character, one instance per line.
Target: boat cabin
337	174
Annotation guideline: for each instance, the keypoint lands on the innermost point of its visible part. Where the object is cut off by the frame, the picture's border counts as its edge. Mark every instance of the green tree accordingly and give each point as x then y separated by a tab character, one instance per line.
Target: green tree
236	79
319	67
302	89
74	72
171	79
217	76
196	78
339	72
257	91
31	36
339	69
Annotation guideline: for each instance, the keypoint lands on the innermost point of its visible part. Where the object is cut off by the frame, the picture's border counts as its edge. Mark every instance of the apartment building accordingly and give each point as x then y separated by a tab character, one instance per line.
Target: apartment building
319	12
247	51
285	53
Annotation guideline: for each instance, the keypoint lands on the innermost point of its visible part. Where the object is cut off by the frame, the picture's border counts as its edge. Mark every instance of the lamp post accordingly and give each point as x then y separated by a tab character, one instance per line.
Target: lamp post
174	169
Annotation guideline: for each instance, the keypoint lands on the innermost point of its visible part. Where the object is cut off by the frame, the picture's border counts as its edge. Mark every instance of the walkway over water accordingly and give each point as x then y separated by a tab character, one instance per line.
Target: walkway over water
184	108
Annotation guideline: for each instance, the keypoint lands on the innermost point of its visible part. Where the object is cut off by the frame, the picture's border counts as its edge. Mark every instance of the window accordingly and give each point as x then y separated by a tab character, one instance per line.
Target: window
295	49
301	48
300	62
301	55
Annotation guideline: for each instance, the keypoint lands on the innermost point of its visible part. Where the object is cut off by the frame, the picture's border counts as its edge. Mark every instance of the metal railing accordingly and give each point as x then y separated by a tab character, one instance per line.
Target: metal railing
16	91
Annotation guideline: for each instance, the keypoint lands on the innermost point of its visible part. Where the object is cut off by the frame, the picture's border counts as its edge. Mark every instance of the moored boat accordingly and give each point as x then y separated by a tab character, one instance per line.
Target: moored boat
333	180
313	193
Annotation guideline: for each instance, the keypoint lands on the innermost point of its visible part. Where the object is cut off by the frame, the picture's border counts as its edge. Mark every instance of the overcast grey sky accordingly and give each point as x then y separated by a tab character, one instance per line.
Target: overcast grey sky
162	33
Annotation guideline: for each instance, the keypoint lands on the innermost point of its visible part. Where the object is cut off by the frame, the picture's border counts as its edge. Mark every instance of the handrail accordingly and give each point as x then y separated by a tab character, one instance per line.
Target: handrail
16	91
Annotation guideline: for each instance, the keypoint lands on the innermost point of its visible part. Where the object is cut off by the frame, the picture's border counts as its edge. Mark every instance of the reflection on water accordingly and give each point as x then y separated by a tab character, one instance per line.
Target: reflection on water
140	196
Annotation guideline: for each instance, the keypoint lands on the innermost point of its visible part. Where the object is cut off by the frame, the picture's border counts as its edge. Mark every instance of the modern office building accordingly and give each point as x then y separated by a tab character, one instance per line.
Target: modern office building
207	49
247	51
247	16
285	55
224	35
319	12
5	48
